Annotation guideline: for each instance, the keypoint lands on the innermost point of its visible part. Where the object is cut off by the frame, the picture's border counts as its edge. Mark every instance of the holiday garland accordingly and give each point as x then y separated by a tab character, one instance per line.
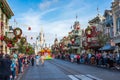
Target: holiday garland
15	39
6	39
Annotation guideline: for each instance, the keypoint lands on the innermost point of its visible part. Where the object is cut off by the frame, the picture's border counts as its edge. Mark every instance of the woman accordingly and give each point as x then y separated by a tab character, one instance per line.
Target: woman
13	68
42	59
37	60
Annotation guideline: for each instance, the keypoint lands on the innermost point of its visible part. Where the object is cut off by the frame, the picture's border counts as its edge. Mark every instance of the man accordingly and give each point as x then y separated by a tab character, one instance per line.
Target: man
32	61
5	69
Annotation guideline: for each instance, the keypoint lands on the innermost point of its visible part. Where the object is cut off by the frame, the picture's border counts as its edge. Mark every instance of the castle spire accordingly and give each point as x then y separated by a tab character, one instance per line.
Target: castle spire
76	17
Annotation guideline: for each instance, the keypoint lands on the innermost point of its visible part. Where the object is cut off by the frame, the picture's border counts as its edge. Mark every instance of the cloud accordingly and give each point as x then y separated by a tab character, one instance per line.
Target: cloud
60	24
46	4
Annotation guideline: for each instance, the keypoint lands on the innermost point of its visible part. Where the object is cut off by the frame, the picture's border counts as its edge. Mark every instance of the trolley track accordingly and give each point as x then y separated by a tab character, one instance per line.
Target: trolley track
70	71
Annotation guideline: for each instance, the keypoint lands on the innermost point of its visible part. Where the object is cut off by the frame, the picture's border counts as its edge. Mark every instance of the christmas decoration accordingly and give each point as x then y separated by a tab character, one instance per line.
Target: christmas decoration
73	41
29	28
9	45
23	40
6	39
88	32
1	37
17	32
15	39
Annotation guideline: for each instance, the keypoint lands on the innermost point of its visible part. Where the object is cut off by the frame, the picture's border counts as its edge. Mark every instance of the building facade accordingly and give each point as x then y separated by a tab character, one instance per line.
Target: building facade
5	14
108	23
116	22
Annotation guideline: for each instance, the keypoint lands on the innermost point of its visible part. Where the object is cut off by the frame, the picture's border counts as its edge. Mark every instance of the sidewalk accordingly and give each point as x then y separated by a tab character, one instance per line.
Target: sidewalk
99	66
21	74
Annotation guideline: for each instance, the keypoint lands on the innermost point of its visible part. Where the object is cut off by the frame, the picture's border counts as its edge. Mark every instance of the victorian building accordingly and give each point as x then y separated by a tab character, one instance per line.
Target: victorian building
108	23
5	14
91	32
116	21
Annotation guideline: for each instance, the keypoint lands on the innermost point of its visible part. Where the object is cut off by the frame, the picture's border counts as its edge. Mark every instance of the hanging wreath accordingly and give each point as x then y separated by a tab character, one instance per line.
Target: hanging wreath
23	40
17	32
88	32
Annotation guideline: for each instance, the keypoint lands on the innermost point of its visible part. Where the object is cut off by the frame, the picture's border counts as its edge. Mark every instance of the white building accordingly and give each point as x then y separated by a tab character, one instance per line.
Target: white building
5	14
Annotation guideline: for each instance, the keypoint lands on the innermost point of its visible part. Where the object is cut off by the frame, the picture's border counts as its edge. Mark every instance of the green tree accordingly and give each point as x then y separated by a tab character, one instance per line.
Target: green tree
26	49
102	38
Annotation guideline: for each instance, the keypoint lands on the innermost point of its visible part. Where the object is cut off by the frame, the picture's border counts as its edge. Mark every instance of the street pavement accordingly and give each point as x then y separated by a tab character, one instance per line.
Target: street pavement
63	70
46	72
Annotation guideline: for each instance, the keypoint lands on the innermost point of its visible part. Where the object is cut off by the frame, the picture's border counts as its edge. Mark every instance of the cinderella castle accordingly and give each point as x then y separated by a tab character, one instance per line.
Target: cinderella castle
40	41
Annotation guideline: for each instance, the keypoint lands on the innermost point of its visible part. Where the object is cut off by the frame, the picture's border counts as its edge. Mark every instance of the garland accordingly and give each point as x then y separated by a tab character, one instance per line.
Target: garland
6	39
15	32
15	39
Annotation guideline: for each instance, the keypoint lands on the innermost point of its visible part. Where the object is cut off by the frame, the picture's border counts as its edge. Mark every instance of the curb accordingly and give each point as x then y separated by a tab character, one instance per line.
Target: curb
21	74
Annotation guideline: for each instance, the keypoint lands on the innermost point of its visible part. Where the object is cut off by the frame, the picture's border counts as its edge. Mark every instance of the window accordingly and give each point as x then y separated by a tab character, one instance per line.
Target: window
118	25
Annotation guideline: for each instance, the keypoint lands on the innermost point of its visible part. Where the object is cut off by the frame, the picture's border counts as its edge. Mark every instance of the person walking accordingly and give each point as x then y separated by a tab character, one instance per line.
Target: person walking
42	59
37	60
13	68
5	70
32	61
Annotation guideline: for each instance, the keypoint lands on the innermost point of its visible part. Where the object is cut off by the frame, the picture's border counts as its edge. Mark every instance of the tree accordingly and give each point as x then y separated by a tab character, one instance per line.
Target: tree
102	38
26	49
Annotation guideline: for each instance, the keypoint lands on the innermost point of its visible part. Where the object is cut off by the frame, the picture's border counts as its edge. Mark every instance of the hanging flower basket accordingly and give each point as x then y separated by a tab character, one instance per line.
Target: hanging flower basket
17	32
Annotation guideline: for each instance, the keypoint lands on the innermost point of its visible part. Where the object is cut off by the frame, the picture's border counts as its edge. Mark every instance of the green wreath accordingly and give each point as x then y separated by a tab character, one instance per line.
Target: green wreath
23	40
15	32
90	30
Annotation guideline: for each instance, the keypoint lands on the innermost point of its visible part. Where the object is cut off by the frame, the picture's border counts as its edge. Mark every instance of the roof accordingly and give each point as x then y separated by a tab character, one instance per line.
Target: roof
108	12
7	7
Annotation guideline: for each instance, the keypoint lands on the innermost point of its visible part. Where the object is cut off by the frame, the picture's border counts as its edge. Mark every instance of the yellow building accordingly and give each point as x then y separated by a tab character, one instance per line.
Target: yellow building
5	14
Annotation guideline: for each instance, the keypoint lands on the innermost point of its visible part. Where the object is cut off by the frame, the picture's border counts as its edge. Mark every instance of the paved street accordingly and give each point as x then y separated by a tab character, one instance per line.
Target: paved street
64	70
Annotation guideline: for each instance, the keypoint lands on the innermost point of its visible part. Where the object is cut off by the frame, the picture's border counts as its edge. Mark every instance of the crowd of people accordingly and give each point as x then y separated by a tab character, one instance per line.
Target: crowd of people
107	59
11	65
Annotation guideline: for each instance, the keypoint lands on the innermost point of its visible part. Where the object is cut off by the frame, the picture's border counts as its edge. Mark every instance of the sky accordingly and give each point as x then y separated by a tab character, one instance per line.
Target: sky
55	16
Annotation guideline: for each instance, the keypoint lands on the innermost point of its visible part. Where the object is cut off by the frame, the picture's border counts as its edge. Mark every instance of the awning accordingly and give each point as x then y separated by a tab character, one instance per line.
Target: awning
107	47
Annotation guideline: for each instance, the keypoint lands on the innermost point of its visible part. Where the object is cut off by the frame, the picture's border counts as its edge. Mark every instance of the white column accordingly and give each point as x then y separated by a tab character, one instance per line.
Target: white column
0	30
114	22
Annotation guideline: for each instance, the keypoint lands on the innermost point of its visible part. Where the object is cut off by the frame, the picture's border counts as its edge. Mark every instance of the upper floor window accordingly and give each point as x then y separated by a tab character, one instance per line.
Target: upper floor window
118	25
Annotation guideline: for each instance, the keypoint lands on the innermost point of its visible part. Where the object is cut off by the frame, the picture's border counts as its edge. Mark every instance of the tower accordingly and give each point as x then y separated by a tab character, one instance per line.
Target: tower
42	39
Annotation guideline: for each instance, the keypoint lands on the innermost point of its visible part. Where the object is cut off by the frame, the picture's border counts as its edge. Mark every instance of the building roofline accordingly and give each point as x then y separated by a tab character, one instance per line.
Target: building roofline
7	7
